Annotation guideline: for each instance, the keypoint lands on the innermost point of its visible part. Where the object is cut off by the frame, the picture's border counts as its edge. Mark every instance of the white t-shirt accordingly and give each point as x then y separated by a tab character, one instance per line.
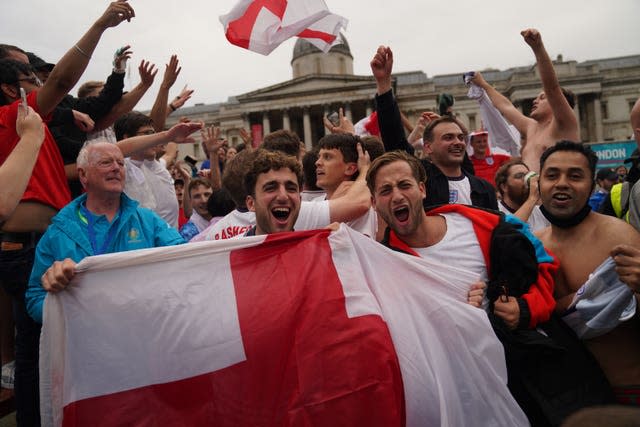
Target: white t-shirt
309	195
459	246
460	190
366	224
151	185
536	221
312	215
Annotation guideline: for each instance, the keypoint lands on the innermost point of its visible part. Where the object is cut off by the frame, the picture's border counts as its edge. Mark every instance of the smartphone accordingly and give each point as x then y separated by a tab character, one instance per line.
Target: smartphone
334	118
466	77
23	95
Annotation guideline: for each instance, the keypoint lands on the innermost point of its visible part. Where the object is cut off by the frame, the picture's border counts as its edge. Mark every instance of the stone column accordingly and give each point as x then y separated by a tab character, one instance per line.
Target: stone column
576	111
368	110
245	122
325	114
347	111
306	124
286	124
597	115
266	125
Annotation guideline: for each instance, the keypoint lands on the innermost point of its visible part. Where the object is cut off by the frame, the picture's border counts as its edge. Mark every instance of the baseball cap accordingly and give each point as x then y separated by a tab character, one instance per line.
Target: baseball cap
38	63
607	174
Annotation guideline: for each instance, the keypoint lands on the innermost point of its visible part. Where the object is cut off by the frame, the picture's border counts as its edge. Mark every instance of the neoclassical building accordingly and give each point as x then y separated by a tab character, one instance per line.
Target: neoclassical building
322	83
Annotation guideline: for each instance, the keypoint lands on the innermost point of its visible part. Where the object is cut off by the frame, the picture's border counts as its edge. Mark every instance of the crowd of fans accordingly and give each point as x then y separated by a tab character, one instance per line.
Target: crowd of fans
82	172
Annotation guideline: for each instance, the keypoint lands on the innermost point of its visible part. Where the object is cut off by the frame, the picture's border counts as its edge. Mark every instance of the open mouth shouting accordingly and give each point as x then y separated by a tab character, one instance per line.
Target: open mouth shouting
401	214
281	215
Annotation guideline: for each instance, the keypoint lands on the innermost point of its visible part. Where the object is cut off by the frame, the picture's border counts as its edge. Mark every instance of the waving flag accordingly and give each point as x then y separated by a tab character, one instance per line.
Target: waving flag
305	328
262	25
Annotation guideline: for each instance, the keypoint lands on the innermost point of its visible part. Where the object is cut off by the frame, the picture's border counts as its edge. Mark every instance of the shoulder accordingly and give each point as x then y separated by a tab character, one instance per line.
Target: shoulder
614	231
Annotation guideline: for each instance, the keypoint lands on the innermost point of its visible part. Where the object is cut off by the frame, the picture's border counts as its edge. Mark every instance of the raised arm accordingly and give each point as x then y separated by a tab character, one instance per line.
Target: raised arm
357	199
159	110
503	104
212	143
562	111
129	100
179	100
68	70
15	172
178	134
389	117
524	212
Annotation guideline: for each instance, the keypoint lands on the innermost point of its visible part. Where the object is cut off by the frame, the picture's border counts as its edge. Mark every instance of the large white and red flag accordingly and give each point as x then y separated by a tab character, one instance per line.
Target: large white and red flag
262	25
295	329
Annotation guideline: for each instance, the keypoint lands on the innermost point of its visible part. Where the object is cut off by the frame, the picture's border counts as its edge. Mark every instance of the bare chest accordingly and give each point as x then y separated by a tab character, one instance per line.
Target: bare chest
577	262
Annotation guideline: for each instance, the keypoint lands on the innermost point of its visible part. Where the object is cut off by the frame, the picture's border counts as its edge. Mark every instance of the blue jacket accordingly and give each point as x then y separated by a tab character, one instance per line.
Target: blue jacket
67	237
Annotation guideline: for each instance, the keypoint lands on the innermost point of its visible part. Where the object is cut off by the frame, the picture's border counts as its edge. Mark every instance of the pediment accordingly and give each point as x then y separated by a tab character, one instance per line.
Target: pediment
308	86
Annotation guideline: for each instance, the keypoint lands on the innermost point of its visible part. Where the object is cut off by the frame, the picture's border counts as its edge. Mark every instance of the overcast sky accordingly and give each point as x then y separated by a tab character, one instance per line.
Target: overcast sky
436	37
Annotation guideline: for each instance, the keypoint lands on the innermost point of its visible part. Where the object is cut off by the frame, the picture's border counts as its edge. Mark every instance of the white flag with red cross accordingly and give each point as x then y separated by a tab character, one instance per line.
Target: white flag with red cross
262	25
293	329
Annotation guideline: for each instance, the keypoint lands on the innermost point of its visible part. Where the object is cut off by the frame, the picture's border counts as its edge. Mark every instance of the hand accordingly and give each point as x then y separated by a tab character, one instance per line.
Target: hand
204	173
120	58
182	98
58	276
185	175
82	121
364	161
171	72
532	37
476	293
479	80
334	226
180	133
29	122
534	193
508	311
344	126
118	11
211	140
627	259
382	65
147	72
246	138
430	116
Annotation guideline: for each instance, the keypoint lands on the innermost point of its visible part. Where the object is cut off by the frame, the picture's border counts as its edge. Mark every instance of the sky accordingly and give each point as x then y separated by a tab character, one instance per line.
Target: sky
436	37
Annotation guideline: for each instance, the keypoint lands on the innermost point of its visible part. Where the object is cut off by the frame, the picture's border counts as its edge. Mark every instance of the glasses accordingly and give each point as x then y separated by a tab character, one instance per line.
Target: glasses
33	80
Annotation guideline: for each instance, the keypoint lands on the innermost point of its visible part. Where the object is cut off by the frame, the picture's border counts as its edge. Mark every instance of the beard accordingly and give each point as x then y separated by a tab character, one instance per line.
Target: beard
518	195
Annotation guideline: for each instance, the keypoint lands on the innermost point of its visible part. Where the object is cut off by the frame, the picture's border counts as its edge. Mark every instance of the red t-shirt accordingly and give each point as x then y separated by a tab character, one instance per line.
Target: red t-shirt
487	167
48	183
182	219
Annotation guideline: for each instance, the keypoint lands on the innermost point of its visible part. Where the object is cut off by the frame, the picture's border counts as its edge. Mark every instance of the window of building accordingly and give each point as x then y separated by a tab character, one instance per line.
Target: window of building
604	107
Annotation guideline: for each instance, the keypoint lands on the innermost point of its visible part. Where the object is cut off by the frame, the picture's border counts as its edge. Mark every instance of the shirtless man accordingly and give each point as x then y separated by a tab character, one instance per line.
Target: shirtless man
582	240
551	119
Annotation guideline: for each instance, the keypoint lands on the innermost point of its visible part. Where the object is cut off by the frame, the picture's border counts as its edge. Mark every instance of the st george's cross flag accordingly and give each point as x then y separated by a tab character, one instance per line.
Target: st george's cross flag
307	329
262	25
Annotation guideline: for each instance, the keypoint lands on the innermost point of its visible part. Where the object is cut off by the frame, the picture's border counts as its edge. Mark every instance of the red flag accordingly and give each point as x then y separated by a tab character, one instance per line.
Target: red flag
262	25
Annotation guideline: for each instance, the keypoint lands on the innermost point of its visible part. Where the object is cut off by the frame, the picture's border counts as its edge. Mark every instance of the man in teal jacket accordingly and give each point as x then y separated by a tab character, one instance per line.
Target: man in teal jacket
104	220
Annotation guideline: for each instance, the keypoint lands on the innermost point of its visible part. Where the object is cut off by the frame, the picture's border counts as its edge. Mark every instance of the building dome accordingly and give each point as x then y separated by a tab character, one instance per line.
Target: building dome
304	47
308	59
